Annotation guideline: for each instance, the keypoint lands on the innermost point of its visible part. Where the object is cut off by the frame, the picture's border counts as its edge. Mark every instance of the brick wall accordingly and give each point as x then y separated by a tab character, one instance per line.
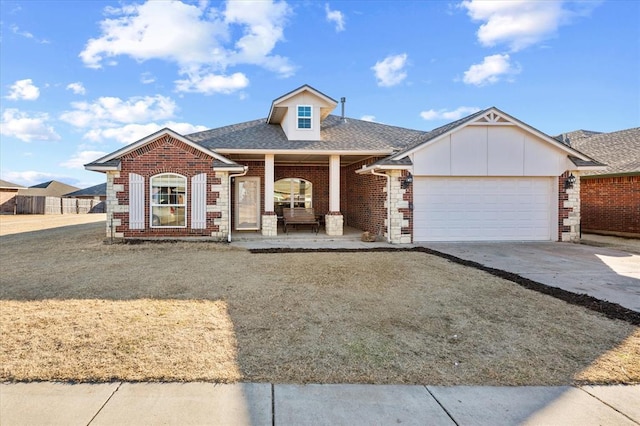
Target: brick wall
611	204
362	199
165	155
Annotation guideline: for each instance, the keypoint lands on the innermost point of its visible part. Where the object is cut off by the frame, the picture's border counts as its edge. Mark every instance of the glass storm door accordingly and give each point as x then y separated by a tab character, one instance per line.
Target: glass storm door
247	205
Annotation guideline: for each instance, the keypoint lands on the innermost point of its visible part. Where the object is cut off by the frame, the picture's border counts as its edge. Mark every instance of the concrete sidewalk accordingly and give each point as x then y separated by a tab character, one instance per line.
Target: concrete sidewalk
119	403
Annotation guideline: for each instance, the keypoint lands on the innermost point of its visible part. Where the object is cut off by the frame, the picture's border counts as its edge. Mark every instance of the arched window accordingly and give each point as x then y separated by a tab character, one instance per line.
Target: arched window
292	192
168	201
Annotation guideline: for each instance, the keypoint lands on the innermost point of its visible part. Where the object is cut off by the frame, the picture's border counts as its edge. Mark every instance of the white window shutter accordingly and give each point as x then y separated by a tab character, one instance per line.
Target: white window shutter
136	201
199	201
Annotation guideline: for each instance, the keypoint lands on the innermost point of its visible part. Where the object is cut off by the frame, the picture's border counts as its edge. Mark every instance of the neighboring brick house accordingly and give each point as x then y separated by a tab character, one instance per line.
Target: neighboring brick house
8	192
487	176
611	196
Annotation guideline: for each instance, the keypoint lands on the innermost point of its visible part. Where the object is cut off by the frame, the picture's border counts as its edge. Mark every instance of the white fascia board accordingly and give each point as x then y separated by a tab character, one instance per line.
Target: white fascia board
97	168
238	168
144	141
590	168
373	168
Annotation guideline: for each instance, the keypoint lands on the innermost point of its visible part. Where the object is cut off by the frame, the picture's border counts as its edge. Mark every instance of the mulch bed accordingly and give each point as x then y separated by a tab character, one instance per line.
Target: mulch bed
609	309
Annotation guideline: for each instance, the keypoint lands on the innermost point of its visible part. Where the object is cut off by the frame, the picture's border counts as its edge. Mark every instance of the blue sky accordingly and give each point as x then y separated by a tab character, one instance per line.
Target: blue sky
79	79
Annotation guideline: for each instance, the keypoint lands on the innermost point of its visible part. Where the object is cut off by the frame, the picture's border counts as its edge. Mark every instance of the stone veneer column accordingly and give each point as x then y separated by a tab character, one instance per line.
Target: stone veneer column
395	198
221	206
269	224
334	224
572	202
112	205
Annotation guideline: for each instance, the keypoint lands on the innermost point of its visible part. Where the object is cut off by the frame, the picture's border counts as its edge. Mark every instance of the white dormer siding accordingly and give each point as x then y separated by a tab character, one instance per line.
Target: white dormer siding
284	111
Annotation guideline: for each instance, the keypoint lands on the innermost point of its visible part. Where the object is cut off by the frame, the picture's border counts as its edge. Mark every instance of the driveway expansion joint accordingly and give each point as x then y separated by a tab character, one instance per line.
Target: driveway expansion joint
105	403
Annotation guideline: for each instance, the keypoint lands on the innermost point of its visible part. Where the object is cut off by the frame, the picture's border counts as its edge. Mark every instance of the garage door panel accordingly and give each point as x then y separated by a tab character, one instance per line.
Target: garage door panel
482	208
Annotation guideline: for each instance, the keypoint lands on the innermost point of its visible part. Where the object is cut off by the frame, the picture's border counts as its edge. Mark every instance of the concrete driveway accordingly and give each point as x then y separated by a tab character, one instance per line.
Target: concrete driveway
604	273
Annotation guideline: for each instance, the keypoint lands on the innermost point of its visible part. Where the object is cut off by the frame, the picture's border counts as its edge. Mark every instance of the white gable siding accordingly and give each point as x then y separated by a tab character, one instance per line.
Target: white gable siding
469	152
505	151
199	201
493	150
136	201
290	122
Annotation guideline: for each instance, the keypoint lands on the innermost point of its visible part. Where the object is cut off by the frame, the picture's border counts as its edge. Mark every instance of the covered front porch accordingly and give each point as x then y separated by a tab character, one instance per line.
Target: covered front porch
272	183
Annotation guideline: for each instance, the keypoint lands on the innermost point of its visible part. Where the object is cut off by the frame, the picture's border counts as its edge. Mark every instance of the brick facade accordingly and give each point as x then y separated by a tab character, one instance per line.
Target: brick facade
611	204
164	155
362	199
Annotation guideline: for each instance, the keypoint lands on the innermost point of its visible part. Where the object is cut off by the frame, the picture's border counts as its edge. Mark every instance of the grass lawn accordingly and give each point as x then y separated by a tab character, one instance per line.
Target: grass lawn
73	308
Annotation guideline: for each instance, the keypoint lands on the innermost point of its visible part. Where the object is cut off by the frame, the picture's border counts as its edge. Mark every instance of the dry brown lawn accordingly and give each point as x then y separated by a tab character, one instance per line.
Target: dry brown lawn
74	308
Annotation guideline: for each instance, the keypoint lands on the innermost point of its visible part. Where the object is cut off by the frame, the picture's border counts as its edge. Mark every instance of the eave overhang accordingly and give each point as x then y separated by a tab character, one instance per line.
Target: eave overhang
101	164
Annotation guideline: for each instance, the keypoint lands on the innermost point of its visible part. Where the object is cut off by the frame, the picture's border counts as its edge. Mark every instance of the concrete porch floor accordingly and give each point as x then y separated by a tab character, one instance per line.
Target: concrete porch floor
304	237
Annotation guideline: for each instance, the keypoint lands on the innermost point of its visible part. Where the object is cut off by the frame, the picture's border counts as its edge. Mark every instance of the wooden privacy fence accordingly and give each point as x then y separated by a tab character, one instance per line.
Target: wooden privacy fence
36	204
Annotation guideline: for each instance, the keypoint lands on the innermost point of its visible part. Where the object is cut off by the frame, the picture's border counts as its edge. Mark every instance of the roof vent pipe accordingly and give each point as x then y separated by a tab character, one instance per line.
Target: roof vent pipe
343	100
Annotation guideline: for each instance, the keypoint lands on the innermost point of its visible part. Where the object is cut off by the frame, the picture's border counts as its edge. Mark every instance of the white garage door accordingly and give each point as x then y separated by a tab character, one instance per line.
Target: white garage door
482	208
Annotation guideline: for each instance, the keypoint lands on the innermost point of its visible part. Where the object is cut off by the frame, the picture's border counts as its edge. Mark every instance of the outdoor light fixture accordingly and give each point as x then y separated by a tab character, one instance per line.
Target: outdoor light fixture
407	181
568	183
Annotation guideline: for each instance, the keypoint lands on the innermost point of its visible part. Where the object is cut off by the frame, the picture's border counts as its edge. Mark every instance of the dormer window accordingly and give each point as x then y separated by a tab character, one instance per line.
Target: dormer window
304	116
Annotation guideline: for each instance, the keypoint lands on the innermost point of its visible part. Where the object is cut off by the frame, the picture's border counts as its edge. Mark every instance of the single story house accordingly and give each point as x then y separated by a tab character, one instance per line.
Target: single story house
610	197
8	192
96	192
488	176
51	188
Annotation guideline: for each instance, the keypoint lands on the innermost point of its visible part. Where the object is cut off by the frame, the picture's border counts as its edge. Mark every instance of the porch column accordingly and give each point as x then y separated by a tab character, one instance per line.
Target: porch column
269	219
334	220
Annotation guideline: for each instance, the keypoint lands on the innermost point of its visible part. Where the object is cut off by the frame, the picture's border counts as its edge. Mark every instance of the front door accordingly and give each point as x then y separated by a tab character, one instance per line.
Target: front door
247	205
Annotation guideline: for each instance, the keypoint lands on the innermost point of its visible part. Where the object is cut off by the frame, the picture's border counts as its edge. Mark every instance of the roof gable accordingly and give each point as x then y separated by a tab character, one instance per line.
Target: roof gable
489	117
110	161
279	108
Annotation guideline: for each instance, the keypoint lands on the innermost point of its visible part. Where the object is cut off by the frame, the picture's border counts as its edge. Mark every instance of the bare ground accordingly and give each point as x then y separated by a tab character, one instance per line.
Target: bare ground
74	308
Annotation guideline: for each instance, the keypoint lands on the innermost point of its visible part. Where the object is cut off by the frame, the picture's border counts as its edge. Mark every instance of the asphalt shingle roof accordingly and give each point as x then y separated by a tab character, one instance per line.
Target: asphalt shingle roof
96	191
9	185
337	134
620	150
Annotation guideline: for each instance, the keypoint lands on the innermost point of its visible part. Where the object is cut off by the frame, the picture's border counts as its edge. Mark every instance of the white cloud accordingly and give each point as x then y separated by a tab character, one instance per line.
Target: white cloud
81	158
211	83
134	132
147	78
336	17
520	24
390	71
27	128
23	90
368	118
26	34
491	70
108	111
77	88
263	26
201	40
443	114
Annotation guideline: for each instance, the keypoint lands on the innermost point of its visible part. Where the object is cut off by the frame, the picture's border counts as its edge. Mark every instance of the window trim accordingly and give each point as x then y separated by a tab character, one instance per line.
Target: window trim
177	205
299	117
